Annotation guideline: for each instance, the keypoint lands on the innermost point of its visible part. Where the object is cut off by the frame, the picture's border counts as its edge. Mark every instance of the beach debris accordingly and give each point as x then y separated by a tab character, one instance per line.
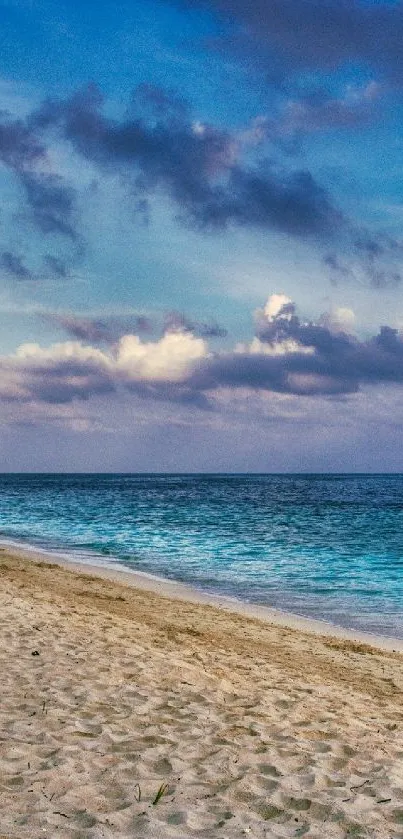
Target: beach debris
137	792
358	786
35	652
161	791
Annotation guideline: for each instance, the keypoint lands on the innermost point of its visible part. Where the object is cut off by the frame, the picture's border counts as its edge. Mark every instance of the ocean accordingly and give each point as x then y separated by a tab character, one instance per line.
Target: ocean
321	546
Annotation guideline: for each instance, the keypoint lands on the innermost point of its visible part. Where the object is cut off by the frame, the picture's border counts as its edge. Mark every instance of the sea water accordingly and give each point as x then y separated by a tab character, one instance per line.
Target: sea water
322	546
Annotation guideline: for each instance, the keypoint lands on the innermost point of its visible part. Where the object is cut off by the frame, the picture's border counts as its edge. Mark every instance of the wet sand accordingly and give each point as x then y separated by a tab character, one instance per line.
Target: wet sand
128	713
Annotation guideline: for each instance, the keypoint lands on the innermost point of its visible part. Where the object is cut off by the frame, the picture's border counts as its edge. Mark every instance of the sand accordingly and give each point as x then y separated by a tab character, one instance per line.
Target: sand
112	694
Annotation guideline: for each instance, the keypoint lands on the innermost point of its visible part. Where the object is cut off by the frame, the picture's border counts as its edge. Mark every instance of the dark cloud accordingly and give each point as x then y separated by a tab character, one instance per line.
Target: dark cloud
108	329
178	322
99	330
291	202
14	266
84	329
19	146
213	178
56	266
321	361
197	164
338	367
314	111
159	101
208	173
338	269
375	258
375	250
289	36
174	393
318	111
51	202
64	381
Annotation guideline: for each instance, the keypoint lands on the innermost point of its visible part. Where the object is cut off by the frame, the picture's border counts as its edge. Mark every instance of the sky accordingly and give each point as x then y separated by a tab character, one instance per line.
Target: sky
201	251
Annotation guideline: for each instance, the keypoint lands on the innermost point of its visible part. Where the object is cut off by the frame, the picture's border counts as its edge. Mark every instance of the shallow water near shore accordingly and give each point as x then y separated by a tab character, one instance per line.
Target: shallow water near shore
322	546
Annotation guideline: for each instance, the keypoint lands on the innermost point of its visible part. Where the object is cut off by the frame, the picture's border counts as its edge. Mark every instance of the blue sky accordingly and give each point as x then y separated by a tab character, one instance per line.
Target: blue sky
201	250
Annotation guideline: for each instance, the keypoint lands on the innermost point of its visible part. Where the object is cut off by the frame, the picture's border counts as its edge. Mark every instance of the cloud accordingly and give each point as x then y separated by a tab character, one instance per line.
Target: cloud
56	266
58	374
49	198
277	305
339	319
51	202
319	111
215	178
73	370
308	357
110	328
287	356
106	330
20	148
312	112
338	269
211	175
197	164
286	37
14	266
179	322
292	372
168	360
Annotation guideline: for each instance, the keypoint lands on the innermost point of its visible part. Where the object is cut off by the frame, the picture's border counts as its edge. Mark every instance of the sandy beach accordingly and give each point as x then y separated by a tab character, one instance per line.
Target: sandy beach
128	713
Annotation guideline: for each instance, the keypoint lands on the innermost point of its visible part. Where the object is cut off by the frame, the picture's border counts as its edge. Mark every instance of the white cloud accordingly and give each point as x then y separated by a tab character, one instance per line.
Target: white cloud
258	347
34	355
339	320
274	304
285	355
169	359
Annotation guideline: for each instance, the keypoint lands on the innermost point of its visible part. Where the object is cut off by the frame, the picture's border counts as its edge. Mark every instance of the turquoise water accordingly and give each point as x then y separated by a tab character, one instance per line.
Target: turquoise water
324	546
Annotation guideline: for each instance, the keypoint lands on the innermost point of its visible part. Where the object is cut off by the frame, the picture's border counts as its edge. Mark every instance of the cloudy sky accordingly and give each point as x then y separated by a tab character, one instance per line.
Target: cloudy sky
201	249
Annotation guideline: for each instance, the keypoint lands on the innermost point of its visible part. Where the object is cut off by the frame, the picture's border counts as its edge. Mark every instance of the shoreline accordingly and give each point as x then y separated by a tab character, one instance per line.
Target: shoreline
185	592
130	712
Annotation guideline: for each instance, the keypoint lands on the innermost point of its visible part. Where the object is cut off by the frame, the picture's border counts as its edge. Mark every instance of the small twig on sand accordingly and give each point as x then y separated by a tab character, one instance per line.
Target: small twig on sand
358	786
162	790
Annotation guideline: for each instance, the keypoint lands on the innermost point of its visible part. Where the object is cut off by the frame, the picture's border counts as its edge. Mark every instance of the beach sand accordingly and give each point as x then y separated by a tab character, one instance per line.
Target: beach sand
255	729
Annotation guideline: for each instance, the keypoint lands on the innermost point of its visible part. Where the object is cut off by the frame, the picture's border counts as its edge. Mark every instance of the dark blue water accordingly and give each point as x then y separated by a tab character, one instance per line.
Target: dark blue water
325	546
